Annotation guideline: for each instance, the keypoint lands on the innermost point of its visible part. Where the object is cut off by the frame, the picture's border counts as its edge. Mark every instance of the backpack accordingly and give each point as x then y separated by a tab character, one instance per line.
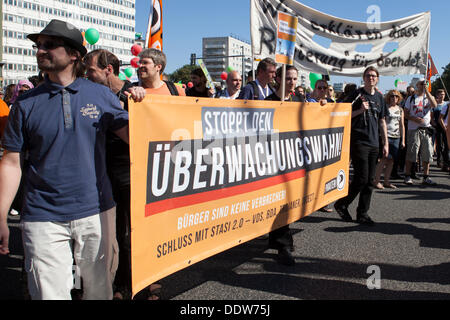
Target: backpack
172	88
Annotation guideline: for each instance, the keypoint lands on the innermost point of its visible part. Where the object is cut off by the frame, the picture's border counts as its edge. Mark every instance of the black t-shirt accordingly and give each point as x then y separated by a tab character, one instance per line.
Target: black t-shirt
292	98
191	92
118	151
365	127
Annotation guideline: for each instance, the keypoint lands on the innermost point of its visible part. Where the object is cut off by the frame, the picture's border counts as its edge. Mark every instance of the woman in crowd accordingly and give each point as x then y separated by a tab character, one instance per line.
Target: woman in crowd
396	137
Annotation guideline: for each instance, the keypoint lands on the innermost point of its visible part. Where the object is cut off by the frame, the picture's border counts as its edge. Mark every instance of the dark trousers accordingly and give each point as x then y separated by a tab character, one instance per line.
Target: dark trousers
364	161
281	238
442	147
122	281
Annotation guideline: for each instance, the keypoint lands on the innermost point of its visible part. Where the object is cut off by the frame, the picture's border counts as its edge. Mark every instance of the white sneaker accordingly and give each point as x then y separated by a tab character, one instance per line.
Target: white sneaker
408	180
14	212
428	182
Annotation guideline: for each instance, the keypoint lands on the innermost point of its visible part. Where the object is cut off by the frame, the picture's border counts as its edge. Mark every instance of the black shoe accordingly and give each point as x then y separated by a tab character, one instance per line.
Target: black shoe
343	213
414	176
396	176
285	257
365	219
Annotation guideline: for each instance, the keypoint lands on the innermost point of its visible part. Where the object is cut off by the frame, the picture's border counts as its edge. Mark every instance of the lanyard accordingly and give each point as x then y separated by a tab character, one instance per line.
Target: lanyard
262	91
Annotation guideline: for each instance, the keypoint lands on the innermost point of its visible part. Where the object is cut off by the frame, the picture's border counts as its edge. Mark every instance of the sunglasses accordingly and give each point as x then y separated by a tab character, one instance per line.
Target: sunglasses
322	88
47	45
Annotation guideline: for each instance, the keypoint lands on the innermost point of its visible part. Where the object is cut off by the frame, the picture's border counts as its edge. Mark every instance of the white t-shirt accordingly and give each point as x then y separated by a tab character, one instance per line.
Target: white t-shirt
443	111
418	106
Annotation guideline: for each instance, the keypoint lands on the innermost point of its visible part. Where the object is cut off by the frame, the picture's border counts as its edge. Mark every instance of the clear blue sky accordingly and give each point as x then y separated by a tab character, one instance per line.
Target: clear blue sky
185	23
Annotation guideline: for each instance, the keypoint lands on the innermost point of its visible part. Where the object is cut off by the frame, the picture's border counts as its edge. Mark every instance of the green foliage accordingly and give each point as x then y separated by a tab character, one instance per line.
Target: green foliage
182	74
437	84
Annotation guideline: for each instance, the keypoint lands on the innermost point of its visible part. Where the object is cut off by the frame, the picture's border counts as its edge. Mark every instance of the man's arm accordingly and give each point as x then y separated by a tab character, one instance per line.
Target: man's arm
431	99
410	117
441	122
10	173
384	137
123	134
448	136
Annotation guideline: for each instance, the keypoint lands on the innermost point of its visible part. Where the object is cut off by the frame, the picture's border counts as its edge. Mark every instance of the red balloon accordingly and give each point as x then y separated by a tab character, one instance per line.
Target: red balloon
135	62
190	85
136	49
224	76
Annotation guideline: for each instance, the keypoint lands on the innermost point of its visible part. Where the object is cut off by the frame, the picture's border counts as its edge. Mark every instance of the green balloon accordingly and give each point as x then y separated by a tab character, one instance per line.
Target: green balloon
128	72
313	77
396	82
229	69
122	76
91	35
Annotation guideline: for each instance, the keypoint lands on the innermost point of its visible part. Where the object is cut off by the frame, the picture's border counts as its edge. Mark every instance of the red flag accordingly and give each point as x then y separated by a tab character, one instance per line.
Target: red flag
155	26
432	70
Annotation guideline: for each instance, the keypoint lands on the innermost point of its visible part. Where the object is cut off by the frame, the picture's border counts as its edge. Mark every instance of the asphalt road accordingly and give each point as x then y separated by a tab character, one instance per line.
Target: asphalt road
409	246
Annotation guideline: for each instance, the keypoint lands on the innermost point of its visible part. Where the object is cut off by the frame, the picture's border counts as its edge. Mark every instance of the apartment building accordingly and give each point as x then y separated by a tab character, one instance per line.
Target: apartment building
113	19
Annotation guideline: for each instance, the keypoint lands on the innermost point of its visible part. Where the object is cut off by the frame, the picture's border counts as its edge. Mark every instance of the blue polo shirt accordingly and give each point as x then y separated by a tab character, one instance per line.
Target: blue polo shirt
61	131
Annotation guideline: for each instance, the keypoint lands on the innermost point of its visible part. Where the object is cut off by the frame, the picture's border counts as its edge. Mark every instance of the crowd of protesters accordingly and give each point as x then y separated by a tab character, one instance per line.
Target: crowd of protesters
75	168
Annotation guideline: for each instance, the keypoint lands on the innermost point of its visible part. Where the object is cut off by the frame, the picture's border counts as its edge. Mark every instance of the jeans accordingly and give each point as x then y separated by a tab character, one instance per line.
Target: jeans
364	161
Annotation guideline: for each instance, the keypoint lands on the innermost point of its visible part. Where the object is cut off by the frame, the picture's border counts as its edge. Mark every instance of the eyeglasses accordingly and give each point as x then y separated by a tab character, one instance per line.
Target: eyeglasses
47	45
371	76
394	96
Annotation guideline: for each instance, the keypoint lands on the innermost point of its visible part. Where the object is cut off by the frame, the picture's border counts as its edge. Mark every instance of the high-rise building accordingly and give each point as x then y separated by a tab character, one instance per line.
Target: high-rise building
219	53
113	19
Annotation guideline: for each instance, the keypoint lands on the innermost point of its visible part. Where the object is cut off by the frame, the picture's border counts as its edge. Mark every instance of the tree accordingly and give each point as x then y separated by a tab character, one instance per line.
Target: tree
182	74
445	77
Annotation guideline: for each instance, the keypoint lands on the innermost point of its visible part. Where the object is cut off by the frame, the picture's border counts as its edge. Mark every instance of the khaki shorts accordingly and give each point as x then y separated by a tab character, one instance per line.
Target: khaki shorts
50	248
419	141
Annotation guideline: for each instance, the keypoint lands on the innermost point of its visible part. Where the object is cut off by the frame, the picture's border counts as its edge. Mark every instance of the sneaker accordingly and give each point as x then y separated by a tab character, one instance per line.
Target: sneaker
365	219
343	213
408	180
428	182
285	257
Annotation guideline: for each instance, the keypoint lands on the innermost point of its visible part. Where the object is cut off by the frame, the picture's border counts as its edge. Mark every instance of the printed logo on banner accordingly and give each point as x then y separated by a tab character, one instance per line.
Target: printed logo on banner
341	180
336	183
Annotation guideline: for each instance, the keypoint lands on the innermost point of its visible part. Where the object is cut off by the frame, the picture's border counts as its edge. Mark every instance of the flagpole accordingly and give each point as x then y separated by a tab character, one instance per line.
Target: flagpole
251	40
428	46
283	82
443	84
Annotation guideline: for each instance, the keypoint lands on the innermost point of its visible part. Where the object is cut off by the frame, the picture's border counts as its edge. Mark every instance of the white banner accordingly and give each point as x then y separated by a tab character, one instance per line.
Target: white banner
411	34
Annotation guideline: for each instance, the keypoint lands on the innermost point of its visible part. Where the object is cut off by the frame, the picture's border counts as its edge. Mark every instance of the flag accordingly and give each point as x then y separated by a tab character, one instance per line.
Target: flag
431	71
155	26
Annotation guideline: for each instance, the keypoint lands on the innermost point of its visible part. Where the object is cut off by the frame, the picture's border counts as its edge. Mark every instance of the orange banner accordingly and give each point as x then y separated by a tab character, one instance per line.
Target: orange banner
210	174
155	26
